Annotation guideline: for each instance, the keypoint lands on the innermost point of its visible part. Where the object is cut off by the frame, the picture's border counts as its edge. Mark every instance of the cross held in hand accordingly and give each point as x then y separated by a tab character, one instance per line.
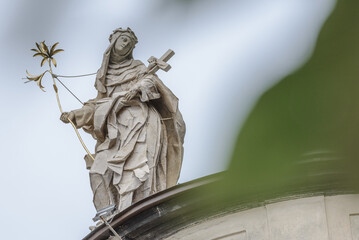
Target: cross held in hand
156	64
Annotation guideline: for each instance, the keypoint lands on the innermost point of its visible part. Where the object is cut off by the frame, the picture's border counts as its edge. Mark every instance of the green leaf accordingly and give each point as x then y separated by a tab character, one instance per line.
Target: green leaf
303	133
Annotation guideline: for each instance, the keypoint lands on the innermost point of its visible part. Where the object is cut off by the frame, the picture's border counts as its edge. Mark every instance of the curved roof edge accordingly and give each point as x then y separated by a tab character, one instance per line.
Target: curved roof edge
164	213
102	232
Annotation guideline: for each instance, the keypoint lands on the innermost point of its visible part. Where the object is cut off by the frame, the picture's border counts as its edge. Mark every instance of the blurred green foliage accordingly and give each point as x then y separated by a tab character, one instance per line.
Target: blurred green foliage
303	133
184	1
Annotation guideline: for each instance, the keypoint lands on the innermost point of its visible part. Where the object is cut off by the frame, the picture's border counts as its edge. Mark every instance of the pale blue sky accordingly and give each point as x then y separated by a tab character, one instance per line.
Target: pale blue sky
227	53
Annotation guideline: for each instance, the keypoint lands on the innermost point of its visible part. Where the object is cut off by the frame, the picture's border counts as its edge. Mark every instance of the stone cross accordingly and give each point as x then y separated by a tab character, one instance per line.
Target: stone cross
156	64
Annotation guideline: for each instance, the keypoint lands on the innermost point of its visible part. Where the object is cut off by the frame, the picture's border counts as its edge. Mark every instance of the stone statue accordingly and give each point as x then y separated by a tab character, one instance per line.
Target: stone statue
137	125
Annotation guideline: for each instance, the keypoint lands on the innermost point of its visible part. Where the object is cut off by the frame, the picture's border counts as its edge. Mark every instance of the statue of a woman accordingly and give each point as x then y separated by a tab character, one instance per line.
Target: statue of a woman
137	125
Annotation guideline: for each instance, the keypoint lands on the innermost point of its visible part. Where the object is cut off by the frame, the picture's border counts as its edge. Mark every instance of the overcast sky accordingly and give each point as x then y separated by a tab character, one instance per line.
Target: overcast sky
227	53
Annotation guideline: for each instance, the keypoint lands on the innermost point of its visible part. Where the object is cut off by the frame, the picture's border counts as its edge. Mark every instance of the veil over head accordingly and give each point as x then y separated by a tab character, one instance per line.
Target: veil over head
101	73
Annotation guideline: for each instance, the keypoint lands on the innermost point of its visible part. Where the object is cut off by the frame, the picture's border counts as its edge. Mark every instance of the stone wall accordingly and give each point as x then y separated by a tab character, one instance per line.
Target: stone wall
310	218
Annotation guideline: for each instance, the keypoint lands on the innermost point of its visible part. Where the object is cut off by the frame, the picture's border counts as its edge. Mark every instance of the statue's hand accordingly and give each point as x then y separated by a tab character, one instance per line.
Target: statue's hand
130	94
65	116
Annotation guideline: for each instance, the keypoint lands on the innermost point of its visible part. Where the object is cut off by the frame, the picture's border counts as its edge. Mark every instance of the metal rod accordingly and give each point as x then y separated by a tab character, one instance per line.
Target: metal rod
111	229
74	76
69	91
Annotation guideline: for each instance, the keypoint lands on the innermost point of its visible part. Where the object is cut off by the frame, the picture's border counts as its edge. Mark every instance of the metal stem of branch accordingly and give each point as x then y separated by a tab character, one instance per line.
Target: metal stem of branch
60	107
75	76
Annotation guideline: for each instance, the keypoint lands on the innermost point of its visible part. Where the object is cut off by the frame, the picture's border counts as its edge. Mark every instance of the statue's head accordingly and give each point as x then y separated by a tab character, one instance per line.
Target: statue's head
123	42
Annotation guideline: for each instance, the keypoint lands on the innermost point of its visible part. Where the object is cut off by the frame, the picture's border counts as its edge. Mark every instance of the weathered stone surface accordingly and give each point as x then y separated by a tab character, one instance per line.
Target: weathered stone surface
298	219
137	125
319	218
190	211
250	224
354	223
342	216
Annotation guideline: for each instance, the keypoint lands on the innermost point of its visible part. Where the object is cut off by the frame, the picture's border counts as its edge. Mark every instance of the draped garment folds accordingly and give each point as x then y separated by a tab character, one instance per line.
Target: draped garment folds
139	146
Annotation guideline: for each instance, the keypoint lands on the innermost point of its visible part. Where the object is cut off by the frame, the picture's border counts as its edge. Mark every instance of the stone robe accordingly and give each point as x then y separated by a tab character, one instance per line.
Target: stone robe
139	143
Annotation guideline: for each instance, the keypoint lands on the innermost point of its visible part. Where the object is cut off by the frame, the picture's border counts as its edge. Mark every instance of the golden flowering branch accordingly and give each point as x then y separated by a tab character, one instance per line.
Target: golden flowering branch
48	56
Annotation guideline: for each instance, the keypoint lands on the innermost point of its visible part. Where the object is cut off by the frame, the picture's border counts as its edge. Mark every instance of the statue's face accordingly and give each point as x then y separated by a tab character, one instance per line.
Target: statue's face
123	45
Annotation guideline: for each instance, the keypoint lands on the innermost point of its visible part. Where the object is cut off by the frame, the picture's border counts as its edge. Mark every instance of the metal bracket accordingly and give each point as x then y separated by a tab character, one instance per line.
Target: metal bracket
104	212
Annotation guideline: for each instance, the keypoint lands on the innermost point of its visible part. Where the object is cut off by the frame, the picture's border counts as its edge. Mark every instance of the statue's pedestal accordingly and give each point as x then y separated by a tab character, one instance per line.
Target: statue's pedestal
190	211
